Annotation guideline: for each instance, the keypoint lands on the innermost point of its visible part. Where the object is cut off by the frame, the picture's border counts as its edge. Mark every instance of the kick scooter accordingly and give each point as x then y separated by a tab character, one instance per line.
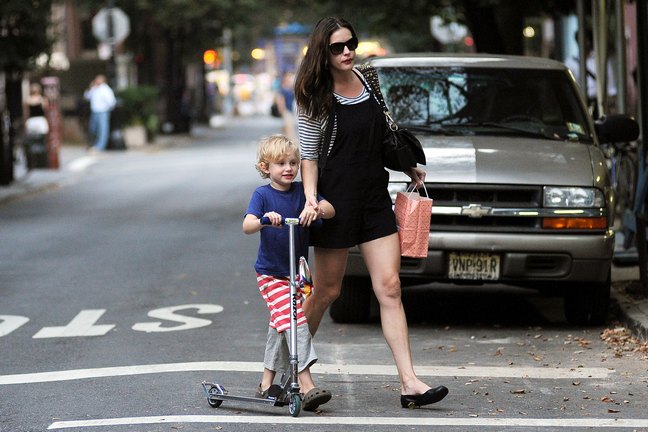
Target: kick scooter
288	391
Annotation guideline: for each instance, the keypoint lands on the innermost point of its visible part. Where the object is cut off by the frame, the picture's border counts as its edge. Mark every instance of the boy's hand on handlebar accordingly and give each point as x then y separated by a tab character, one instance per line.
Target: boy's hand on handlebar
275	218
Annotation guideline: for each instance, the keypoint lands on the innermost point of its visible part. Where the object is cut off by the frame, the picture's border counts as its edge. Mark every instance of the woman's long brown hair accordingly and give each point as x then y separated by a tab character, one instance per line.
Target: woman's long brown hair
314	83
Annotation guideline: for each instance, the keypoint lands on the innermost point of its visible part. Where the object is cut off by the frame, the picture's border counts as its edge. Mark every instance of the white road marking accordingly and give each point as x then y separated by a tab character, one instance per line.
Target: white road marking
169	313
81	325
374	421
9	323
329	369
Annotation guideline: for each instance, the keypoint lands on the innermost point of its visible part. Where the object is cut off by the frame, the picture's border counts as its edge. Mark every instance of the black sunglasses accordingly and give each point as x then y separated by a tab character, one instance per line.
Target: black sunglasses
337	48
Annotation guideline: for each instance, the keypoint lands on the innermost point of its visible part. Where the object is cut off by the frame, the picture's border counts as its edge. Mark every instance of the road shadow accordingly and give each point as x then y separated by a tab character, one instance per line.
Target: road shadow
488	305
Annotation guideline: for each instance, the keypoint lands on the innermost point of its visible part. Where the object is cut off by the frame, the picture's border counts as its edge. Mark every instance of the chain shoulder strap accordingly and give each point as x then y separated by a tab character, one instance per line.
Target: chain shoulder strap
371	75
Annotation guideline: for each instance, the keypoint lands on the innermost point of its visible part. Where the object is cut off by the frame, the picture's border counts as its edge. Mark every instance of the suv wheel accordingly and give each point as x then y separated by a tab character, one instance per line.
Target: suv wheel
354	303
587	303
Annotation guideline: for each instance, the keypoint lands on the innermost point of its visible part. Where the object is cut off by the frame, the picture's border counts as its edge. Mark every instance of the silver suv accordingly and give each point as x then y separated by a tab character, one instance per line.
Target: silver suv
521	189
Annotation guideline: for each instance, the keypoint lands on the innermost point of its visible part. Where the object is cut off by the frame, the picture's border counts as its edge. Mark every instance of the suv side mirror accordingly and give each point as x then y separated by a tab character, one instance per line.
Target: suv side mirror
617	128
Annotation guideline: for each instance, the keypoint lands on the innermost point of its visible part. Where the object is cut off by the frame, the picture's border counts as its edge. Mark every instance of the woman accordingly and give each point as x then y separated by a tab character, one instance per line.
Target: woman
333	101
35	109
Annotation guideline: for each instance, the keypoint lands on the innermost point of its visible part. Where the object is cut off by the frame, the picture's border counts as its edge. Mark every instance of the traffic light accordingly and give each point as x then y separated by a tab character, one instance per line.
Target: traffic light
211	58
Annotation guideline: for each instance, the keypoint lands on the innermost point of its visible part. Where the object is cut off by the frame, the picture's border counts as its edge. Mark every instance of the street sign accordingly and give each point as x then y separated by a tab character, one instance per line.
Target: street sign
447	32
120	25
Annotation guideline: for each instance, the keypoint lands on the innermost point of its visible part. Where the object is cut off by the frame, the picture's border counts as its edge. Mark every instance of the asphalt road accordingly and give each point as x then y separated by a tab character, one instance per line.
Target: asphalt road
123	289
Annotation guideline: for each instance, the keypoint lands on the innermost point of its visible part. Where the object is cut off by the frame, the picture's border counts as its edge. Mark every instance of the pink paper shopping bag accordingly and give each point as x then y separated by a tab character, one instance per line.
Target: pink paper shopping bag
413	214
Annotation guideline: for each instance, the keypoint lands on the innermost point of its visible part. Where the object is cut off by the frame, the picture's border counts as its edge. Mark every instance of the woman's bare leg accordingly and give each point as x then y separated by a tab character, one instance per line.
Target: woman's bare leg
329	267
382	258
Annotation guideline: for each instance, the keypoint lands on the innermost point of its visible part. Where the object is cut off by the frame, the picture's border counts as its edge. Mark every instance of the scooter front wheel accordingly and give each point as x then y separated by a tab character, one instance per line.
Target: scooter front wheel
294	406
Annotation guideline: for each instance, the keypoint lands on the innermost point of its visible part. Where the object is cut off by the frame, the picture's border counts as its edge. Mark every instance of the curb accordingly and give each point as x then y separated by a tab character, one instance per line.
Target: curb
631	309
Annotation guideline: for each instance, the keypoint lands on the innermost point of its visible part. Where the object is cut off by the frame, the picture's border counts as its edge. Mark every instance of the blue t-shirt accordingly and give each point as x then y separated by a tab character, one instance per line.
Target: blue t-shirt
274	256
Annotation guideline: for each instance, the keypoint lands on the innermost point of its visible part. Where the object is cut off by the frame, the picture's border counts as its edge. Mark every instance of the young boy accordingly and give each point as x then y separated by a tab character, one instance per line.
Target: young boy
278	160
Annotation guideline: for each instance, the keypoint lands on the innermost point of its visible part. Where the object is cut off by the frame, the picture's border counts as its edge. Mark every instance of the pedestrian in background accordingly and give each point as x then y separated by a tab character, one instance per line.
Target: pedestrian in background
34	111
102	101
278	161
573	63
335	105
285	100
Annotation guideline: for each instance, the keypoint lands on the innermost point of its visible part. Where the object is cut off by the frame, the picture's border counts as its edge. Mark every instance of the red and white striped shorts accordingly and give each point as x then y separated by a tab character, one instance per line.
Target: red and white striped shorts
276	292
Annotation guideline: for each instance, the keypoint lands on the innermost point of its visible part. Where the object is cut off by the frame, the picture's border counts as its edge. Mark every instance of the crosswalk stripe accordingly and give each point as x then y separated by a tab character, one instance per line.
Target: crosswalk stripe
376	421
330	369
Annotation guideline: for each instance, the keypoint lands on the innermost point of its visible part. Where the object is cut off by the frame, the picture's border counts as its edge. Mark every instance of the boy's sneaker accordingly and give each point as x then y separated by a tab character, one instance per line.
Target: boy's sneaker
273	391
261	394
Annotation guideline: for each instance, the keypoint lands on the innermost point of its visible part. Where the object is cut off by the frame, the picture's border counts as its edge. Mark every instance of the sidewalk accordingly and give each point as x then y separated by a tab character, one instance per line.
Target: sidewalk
631	310
71	161
38	180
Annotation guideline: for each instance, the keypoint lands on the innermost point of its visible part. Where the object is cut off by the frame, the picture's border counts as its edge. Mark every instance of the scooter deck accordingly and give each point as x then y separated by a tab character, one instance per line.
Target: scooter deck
216	392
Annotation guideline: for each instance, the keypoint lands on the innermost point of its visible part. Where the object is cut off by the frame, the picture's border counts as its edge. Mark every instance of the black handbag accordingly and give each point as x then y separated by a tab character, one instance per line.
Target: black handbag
401	150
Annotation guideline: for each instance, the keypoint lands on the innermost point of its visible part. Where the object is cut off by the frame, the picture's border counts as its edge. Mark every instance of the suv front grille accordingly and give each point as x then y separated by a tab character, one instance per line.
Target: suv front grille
490	195
493	196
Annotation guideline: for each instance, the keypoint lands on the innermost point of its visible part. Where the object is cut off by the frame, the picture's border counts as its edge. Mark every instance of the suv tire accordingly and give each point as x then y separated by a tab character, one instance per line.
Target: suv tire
354	303
587	303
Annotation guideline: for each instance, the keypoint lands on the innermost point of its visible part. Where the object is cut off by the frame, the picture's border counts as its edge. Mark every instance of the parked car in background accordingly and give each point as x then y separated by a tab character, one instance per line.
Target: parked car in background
522	193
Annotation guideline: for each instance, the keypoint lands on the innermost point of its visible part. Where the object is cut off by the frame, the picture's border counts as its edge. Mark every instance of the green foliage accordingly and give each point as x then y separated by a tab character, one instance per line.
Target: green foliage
139	106
23	32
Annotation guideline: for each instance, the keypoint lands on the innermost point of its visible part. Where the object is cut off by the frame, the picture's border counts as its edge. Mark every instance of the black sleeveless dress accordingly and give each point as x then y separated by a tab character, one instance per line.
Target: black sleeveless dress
354	180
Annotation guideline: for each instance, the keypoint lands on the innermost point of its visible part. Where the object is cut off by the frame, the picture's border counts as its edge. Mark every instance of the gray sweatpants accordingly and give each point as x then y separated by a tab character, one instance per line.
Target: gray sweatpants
277	350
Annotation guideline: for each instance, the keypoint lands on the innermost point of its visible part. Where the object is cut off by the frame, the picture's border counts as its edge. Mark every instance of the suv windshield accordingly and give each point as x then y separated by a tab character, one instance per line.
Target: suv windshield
482	101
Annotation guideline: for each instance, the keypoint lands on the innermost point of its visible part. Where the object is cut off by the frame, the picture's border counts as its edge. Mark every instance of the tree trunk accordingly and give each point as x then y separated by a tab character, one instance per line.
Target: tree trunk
496	29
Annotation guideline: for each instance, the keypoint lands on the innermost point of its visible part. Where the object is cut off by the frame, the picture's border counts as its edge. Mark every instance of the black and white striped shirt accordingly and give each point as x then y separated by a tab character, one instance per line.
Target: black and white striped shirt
312	131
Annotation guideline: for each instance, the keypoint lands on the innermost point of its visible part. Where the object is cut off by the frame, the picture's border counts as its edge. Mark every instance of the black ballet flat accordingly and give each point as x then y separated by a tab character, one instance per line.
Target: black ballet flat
429	397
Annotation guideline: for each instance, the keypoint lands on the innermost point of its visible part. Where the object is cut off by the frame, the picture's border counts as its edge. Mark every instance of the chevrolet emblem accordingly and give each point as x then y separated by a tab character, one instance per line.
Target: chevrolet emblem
475	210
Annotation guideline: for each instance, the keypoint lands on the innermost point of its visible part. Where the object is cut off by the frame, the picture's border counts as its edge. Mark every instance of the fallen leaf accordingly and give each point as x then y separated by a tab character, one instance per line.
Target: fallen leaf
612	411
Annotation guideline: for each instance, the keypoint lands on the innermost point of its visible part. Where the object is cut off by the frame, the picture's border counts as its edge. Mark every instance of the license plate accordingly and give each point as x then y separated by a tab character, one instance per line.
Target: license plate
474	266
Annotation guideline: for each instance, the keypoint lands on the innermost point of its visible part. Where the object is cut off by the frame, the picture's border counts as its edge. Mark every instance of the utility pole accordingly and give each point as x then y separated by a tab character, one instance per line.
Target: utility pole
228	108
112	78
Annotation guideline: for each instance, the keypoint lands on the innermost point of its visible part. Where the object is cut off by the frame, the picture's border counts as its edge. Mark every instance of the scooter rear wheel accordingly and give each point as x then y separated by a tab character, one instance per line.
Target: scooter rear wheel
214	403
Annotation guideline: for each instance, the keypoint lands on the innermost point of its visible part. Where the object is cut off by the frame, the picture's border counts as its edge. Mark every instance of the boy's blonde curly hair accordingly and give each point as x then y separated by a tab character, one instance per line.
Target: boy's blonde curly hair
272	149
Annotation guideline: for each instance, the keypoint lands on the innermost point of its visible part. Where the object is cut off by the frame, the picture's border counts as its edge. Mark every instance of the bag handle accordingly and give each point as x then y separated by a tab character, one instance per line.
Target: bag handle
413	187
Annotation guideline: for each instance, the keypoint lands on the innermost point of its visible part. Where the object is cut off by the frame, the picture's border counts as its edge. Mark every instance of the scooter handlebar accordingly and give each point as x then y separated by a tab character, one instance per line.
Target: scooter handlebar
284	220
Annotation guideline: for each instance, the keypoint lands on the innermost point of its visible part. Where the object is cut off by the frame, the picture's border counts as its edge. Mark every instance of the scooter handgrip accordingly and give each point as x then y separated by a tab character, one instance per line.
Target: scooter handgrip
265	220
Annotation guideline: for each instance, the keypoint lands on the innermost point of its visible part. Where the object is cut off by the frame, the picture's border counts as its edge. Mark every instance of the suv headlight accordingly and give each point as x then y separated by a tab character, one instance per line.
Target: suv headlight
573	197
